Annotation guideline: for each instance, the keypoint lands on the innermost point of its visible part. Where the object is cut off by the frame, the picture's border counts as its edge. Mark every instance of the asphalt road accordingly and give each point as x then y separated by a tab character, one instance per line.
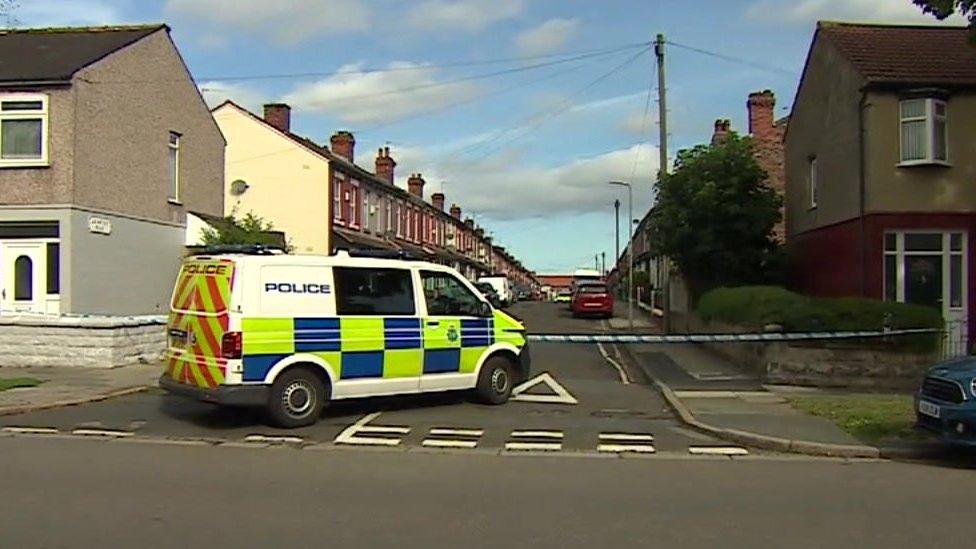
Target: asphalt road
606	406
61	492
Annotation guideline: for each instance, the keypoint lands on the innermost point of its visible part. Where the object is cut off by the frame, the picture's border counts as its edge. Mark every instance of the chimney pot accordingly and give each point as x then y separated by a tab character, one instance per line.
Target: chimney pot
278	115
456	211
385	165
437	199
343	144
415	185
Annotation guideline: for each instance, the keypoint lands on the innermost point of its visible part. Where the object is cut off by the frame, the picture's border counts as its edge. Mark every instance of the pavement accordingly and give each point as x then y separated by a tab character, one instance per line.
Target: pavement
60	492
73	386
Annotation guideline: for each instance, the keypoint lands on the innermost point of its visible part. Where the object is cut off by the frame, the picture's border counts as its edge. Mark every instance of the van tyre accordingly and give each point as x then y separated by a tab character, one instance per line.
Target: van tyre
496	380
297	398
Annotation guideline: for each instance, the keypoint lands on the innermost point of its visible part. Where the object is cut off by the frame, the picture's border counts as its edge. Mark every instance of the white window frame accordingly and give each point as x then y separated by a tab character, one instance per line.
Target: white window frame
946	253
814	182
929	117
42	114
174	186
337	200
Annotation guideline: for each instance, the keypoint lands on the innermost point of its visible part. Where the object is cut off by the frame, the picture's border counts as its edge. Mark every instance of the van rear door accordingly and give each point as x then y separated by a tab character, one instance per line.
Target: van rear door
198	320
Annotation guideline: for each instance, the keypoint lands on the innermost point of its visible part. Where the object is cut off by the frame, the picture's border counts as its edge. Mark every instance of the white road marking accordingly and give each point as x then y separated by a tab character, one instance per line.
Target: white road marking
620	369
718	450
534	446
447	443
622	448
102	433
349	434
562	396
274	439
627	437
443	431
31	430
537	434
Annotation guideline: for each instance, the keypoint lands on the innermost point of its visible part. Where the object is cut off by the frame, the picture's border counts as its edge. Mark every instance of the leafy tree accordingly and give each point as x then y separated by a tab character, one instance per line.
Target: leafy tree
715	215
942	9
250	229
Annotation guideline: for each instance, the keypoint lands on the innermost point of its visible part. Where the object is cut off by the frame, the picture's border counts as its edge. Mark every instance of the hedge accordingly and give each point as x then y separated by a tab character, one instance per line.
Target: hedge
754	307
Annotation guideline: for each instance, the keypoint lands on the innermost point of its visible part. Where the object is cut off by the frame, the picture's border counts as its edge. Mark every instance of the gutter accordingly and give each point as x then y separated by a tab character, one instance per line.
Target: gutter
861	137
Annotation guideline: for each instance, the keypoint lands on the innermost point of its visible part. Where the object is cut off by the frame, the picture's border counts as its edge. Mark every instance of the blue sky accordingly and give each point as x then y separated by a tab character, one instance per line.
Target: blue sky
528	152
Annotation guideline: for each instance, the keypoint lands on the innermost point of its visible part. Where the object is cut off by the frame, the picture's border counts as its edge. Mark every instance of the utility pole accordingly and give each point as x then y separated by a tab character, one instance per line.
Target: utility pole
603	257
662	110
662	105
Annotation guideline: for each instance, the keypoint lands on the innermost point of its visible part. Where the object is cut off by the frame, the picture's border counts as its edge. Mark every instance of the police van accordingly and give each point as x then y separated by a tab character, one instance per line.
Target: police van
292	332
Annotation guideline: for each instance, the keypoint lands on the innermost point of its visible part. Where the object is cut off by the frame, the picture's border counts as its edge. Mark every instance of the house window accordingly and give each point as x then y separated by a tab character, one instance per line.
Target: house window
53	268
23	130
814	181
174	167
389	215
353	204
368	214
924	137
399	220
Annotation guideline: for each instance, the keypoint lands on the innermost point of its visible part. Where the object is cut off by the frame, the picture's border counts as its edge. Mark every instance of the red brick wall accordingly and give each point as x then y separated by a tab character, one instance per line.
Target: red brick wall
768	144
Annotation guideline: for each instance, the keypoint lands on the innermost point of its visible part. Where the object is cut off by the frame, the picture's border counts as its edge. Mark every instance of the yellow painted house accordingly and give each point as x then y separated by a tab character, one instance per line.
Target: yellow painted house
276	175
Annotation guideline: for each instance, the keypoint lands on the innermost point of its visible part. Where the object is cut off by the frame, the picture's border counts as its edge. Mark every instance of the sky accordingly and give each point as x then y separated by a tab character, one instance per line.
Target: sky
520	111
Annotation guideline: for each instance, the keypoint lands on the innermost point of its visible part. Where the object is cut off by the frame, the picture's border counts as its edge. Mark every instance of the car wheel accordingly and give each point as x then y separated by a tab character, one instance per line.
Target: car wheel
495	382
297	398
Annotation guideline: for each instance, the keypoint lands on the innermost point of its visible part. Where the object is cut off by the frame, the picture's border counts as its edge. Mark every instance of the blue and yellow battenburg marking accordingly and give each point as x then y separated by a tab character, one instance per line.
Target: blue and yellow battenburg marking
374	347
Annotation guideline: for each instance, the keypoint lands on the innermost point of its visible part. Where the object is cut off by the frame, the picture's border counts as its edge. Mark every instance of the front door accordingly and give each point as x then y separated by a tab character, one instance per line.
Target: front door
23	268
930	268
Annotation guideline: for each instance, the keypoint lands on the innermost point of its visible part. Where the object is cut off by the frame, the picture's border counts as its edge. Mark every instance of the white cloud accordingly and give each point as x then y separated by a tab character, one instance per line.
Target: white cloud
810	11
372	97
215	93
506	187
288	22
65	13
463	15
549	37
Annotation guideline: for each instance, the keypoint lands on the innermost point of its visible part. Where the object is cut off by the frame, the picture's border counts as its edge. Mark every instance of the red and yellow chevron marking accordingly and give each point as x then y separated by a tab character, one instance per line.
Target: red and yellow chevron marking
200	309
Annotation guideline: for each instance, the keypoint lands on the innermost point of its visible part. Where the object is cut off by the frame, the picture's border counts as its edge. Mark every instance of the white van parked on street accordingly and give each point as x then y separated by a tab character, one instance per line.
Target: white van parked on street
502	287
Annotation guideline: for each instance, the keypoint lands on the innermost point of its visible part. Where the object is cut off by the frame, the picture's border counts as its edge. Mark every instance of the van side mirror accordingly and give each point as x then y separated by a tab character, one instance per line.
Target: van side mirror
486	310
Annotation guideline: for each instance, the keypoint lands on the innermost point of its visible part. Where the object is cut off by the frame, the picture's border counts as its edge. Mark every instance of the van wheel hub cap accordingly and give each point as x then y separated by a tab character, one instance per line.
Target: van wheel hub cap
298	399
499	381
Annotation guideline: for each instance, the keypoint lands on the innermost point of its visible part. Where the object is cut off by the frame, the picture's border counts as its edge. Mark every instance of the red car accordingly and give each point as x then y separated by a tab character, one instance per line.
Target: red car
592	299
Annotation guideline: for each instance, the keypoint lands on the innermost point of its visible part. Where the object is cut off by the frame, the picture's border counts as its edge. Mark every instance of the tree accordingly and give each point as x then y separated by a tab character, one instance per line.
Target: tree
250	229
942	9
714	218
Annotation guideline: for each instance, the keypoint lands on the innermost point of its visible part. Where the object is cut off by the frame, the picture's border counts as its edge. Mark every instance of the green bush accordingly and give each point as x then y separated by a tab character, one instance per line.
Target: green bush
754	307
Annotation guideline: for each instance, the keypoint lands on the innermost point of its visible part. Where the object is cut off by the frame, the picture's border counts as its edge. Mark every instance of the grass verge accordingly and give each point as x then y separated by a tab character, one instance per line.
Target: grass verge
17	382
869	417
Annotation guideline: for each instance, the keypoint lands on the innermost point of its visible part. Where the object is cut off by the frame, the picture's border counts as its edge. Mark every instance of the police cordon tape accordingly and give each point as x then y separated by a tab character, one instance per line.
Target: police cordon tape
722	338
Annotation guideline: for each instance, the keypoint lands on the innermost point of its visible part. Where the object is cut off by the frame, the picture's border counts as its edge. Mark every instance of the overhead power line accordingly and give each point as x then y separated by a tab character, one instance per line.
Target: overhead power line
563	57
732	59
534	122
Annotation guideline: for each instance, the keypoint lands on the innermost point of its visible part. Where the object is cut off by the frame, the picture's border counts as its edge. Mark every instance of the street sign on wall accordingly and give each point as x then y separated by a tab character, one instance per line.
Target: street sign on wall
99	225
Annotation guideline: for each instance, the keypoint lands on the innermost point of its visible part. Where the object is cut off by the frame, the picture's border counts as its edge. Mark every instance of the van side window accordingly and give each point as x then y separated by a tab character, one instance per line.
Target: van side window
448	296
387	292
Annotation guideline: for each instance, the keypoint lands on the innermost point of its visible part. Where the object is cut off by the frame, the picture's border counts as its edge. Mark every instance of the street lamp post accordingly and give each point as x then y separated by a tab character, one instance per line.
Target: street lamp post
630	251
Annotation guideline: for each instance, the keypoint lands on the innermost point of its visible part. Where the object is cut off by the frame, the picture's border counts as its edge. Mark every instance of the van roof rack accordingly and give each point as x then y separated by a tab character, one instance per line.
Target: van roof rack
245	249
382	254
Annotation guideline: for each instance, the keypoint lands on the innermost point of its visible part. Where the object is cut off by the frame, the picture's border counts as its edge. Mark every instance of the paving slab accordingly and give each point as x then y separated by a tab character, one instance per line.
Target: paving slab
64	385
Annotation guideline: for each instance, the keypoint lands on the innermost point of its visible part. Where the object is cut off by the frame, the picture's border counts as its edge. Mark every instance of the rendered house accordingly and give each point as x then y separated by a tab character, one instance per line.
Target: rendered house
105	145
881	168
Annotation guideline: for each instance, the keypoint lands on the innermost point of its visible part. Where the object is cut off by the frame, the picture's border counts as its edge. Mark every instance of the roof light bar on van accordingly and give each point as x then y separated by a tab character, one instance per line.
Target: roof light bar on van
383	254
245	249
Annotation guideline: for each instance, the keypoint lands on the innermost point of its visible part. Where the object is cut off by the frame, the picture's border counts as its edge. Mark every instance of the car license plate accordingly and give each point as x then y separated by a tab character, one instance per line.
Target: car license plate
929	409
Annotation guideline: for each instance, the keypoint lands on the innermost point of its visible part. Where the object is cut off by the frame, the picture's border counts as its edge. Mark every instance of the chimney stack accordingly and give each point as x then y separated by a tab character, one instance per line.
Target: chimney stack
343	144
721	133
469	223
385	165
761	105
278	115
437	199
456	211
416	185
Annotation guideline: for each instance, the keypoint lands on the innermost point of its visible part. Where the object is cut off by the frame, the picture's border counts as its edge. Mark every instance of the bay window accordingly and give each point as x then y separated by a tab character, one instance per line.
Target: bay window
924	137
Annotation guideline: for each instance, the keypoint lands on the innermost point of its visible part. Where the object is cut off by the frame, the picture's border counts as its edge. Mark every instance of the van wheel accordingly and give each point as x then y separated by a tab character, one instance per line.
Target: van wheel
297	398
495	382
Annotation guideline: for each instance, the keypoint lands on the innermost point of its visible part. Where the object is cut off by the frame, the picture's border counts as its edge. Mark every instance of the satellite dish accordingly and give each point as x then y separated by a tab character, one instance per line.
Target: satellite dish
238	186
